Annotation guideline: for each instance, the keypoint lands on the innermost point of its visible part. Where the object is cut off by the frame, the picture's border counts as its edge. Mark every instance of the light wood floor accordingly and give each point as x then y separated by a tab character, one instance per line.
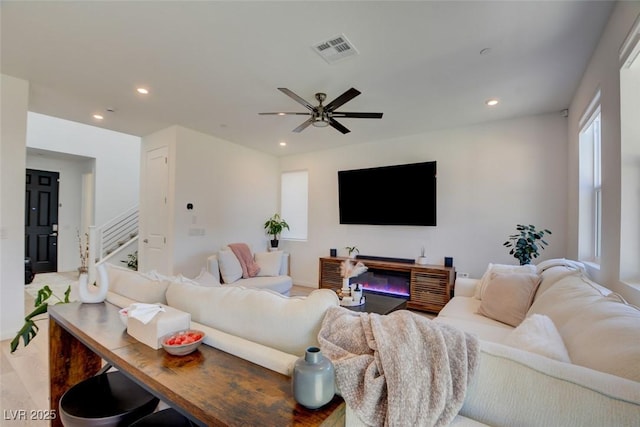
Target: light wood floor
24	375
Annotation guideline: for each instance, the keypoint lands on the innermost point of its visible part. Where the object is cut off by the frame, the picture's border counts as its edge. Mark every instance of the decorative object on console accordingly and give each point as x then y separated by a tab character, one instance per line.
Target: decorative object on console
149	323
448	261
182	343
352	251
313	380
90	293
274	227
333	252
523	244
348	270
83	247
422	260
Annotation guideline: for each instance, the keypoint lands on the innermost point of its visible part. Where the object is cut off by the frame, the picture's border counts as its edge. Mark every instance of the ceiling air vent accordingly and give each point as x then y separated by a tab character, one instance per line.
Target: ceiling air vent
335	49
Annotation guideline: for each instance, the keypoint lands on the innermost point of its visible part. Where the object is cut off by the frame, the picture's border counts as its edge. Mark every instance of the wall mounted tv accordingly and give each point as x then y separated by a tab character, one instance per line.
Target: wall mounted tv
388	195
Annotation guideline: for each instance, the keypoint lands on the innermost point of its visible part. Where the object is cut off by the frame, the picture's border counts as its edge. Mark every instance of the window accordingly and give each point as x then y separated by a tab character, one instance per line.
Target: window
630	160
590	198
294	189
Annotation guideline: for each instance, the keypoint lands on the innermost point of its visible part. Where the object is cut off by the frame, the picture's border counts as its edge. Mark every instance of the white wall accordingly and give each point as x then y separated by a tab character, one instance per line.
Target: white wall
14	101
74	149
117	167
490	178
233	190
603	73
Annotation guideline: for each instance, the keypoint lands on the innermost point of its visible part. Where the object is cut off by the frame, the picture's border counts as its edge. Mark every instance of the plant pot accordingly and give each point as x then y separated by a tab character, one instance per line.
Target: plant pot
274	243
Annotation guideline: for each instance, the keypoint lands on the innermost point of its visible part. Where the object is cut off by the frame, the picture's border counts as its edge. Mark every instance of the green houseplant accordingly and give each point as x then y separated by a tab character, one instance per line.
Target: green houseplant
526	243
353	251
274	227
29	330
132	261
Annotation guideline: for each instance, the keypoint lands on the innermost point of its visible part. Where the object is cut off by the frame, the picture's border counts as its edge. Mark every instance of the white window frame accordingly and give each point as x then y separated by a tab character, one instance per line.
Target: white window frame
590	194
294	197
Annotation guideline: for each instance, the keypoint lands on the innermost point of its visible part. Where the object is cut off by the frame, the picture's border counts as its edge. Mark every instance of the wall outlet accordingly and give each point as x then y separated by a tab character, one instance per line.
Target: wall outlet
196	231
460	274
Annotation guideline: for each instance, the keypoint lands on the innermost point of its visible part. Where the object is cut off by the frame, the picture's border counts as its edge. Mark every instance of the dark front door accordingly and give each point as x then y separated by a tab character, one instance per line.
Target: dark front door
41	220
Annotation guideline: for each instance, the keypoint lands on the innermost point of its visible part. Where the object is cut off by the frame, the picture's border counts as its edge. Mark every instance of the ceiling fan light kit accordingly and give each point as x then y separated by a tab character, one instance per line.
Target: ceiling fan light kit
323	115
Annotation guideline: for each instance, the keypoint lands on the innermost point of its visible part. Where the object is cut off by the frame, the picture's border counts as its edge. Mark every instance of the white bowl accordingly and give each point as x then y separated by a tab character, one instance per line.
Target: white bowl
124	315
182	342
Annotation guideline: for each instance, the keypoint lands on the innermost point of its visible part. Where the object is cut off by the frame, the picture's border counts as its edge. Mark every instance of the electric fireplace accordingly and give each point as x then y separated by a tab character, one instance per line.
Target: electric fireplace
385	282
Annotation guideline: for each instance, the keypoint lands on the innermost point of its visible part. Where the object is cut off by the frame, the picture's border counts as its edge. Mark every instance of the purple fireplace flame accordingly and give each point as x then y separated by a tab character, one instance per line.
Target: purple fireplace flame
392	283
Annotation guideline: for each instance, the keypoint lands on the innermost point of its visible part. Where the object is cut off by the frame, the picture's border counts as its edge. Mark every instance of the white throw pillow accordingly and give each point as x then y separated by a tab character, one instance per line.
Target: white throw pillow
230	268
539	335
206	279
269	263
501	268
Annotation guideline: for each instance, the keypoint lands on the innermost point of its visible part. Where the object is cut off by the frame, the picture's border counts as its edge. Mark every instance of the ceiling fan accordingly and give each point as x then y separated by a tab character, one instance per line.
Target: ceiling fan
324	115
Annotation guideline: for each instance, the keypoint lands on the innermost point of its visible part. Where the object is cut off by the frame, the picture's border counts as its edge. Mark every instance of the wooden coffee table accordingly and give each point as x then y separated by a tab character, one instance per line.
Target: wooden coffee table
381	304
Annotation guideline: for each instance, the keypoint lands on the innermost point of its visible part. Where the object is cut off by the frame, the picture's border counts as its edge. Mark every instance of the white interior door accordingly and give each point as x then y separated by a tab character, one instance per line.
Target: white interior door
154	240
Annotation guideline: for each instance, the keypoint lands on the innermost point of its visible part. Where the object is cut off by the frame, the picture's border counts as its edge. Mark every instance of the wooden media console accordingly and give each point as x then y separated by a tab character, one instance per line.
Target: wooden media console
431	286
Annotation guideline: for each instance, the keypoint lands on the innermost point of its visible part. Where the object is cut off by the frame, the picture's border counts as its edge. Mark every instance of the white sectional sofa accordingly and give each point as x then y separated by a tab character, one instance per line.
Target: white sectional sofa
512	386
525	377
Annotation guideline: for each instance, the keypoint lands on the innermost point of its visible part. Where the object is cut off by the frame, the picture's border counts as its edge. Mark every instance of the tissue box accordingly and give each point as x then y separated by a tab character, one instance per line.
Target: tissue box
163	323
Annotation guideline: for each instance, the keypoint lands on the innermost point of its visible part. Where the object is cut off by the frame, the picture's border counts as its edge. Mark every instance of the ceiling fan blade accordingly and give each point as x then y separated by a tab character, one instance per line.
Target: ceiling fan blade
284	114
338	126
296	98
342	99
358	115
304	125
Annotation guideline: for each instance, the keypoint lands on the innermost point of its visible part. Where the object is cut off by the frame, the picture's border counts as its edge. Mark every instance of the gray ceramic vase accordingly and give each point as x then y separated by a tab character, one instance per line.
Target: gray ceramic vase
313	379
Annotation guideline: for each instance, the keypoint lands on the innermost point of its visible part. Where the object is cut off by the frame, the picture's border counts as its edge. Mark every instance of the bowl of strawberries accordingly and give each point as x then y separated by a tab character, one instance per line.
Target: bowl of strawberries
182	343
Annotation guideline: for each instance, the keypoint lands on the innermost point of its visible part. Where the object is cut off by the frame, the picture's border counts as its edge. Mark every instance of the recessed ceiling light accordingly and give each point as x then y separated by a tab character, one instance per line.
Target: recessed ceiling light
491	102
281	114
283	144
98	117
143	91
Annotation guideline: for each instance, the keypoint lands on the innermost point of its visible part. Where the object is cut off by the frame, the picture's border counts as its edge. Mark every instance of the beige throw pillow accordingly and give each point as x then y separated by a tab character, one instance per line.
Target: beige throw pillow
501	268
507	297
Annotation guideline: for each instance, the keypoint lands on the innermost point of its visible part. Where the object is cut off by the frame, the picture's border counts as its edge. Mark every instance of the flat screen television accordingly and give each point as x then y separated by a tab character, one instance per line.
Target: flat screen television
388	195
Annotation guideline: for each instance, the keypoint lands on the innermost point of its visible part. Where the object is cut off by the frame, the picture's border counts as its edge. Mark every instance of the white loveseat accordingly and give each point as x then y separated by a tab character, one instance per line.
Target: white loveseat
516	385
273	274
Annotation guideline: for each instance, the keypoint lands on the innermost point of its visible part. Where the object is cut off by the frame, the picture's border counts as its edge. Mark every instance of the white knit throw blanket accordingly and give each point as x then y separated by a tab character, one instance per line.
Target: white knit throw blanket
400	369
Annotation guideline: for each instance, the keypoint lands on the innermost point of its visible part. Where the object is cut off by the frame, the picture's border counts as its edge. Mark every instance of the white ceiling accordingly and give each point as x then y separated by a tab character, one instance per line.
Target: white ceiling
212	66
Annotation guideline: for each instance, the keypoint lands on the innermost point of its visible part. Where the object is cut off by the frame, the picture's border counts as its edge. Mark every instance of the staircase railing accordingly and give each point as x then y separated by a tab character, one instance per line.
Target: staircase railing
107	240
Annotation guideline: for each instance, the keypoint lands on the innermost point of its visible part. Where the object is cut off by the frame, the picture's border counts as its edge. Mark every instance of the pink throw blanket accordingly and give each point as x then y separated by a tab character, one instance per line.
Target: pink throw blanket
249	267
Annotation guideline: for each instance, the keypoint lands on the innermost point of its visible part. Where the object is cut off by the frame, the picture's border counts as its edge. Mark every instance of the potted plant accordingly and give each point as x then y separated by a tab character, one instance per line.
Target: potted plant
352	250
29	330
274	227
526	243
